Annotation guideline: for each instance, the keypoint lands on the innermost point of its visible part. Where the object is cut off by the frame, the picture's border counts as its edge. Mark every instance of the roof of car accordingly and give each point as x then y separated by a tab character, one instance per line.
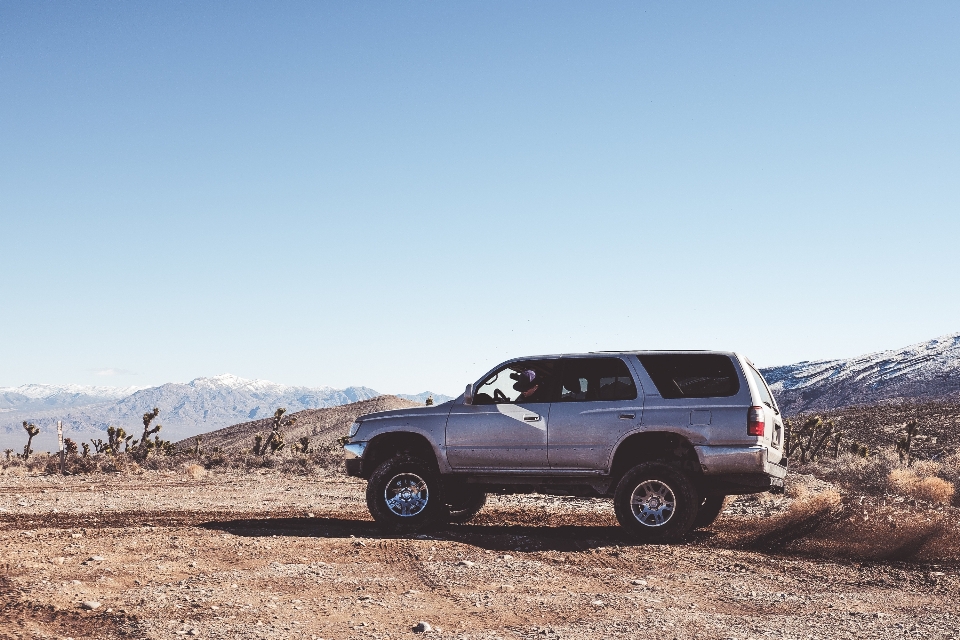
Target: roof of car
626	352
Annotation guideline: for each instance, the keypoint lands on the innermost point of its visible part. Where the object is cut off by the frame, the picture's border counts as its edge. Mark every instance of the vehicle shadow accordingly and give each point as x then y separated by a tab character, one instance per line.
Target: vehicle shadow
493	537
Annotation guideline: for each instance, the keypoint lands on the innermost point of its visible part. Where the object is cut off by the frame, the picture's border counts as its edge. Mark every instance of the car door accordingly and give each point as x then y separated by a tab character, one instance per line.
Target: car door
598	403
502	431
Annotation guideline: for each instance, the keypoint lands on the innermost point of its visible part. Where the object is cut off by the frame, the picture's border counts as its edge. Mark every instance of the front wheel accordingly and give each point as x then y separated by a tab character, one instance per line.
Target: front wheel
656	502
403	494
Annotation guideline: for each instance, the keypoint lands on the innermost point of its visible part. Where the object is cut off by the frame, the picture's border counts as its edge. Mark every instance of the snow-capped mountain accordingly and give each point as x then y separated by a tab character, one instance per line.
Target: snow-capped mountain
186	409
925	371
50	396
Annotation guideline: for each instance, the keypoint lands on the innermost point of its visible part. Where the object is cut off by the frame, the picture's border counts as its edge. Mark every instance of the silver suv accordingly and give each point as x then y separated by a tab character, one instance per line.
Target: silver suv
666	434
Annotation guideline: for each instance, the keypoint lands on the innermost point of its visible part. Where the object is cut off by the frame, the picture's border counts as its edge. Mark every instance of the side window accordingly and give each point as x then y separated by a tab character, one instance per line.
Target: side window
520	383
692	375
586	379
765	395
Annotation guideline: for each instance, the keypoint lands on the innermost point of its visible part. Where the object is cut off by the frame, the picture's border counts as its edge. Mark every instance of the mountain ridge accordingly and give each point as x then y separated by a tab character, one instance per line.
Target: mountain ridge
186	409
923	371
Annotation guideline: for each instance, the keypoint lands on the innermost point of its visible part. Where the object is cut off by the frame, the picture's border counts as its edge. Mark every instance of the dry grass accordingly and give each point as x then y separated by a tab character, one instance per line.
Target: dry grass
916	483
195	471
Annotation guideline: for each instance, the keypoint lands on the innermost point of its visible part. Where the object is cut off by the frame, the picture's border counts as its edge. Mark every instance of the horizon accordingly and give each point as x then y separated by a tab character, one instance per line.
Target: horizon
401	393
406	196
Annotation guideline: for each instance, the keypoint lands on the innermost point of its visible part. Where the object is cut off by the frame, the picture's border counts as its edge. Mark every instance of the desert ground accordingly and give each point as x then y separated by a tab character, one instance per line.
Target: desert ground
265	554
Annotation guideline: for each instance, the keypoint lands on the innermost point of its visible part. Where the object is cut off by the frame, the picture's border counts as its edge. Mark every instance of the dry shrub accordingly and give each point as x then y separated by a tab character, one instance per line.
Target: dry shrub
195	471
864	474
920	483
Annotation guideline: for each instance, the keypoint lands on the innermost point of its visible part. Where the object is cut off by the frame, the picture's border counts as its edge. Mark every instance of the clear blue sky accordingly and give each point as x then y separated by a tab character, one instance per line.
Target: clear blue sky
401	195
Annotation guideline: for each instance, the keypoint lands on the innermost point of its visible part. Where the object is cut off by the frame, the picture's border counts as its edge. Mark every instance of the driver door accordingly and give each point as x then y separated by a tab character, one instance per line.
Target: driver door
502	431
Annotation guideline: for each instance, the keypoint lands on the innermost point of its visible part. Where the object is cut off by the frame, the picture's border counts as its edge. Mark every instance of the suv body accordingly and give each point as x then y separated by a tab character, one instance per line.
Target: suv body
708	416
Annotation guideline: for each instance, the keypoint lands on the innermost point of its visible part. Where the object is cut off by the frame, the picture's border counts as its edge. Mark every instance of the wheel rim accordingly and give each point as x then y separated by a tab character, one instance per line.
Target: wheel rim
406	495
653	503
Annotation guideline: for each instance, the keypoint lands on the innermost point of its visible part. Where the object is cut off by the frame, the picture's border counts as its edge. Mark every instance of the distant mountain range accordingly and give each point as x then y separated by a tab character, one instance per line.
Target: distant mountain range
926	371
186	409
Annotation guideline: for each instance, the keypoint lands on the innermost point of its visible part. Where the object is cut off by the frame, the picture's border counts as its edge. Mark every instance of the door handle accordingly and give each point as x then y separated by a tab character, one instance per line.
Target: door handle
531	418
627	416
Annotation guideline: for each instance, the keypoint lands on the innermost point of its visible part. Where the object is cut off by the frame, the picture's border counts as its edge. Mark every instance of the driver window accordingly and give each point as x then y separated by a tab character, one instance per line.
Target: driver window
501	387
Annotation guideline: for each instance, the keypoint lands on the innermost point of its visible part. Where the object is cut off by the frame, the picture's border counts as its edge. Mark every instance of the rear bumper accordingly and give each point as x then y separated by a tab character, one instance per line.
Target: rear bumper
750	466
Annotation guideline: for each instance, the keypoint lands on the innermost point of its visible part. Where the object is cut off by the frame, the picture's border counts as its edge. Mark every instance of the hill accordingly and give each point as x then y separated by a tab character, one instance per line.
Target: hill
921	372
322	426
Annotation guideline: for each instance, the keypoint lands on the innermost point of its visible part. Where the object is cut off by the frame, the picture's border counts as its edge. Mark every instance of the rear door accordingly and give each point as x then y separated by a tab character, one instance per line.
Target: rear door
598	402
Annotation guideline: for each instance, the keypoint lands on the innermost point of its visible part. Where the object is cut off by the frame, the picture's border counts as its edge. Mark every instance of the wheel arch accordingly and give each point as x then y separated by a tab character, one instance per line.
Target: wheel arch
646	446
387	445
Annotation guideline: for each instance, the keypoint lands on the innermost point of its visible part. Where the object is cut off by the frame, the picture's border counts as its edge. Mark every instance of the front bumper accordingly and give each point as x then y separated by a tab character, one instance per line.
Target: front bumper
353	458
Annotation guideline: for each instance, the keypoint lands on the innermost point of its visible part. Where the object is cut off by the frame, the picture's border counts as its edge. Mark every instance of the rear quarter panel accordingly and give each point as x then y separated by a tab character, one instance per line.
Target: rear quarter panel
702	421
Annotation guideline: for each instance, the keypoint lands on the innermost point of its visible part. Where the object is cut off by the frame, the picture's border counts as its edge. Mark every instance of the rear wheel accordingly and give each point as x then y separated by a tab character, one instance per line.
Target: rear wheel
403	494
656	502
709	510
465	505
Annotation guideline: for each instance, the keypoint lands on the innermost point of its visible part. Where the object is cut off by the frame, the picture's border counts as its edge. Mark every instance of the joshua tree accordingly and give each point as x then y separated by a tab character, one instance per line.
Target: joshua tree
162	446
115	437
280	421
276	442
860	449
31	430
8	453
303	445
70	446
906	442
811	437
197	449
259	448
429	401
837	437
86	449
148	417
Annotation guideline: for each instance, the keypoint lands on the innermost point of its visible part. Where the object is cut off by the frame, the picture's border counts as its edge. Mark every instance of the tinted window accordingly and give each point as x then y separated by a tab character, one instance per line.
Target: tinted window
692	375
585	379
498	388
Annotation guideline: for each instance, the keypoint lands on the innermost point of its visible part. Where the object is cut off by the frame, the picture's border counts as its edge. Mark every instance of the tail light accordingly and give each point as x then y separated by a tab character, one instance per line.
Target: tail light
756	421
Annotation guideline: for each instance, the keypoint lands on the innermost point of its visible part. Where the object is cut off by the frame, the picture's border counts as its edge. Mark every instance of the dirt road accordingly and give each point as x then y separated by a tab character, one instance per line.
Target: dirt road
164	555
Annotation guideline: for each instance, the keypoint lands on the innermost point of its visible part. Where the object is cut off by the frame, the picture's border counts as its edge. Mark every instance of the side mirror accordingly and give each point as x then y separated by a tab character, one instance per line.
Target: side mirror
468	394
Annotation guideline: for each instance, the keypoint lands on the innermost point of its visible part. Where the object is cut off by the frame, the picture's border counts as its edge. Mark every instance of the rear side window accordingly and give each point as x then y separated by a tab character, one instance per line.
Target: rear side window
692	375
585	379
765	396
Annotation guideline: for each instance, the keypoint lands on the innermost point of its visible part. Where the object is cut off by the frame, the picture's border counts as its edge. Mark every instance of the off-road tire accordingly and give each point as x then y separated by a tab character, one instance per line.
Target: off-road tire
710	508
465	505
654	479
424	506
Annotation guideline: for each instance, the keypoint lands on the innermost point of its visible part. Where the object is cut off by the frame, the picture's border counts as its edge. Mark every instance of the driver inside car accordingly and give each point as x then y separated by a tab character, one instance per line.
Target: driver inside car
529	385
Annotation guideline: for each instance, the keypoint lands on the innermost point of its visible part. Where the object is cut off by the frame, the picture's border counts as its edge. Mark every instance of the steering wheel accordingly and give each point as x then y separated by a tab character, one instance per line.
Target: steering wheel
498	396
